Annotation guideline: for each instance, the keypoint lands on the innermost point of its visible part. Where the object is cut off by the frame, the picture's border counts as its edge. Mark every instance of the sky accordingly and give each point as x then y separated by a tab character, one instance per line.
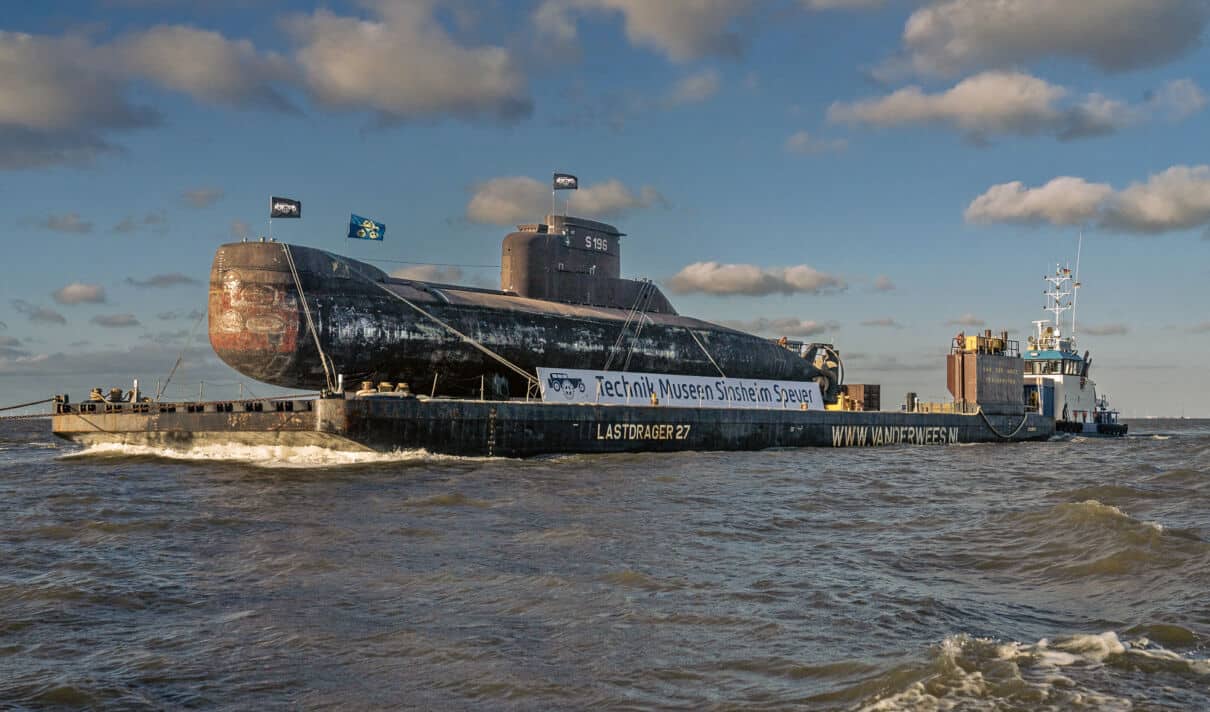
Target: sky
879	174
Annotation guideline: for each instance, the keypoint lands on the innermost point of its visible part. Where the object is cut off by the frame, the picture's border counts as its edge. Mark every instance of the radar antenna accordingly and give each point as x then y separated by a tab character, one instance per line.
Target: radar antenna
1058	300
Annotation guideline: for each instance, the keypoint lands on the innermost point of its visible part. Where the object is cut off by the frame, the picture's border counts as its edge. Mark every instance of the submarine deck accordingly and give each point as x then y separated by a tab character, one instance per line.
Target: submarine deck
519	428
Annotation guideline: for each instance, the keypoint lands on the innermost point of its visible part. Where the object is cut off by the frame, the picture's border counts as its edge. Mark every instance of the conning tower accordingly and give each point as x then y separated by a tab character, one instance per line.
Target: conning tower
574	261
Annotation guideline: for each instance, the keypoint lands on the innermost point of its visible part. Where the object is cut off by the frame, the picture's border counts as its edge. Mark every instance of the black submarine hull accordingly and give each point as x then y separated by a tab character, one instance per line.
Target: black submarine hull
368	325
518	428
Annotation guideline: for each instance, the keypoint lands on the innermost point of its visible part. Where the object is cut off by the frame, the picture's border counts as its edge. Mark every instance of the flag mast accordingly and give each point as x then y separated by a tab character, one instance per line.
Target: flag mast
562	181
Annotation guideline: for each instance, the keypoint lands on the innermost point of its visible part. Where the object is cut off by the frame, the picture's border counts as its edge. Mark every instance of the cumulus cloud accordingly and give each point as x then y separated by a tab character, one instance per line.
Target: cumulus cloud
992	104
1179	99
885	323
1063	201
804	143
1105	329
883	283
443	274
951	36
404	65
1175	199
70	223
753	281
694	88
154	221
62	96
170	315
36	313
57	101
115	321
784	326
518	199
171	279
79	293
682	30
202	197
967	319
10	348
205	65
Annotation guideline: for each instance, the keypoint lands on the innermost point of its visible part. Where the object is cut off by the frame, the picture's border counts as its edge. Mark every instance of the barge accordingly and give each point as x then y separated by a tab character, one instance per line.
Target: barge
567	357
517	428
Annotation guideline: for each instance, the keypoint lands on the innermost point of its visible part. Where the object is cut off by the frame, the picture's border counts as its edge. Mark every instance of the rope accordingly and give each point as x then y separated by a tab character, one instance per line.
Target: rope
430	264
26	405
703	348
181	356
31	416
636	310
323	359
505	362
1000	435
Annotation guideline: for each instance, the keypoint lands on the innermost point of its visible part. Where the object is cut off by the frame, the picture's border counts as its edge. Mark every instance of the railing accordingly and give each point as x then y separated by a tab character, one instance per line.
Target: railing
961	408
993	345
147	407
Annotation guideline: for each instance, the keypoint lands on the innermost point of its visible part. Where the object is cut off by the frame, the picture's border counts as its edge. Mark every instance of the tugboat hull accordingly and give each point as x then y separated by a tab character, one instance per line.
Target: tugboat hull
1096	430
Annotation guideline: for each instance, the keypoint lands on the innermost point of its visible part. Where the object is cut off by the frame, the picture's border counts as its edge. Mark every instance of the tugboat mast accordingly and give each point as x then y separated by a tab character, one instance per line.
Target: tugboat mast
1059	299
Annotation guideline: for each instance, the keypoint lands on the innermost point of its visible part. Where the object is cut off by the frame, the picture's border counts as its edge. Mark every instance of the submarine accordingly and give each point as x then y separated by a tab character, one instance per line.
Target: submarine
301	317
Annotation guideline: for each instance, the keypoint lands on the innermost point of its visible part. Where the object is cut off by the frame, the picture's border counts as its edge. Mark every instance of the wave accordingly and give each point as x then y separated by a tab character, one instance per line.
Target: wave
1071	542
1109	493
1090	671
267	456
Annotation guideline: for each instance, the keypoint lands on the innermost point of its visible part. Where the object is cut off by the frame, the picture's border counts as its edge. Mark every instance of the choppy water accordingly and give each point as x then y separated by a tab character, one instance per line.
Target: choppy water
1062	575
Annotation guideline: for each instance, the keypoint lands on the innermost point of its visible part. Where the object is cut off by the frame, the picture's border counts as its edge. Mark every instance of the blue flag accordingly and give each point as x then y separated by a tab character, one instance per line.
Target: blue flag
365	228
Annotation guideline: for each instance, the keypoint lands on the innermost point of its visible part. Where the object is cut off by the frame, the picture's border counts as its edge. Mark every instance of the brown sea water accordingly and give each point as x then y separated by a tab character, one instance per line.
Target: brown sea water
1072	574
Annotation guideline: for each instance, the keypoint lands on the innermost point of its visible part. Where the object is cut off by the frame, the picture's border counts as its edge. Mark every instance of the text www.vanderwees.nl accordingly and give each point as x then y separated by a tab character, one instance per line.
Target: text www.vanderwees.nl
875	435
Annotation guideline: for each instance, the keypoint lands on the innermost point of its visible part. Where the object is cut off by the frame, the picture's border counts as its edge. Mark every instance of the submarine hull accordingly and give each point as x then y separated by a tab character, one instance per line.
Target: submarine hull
364	324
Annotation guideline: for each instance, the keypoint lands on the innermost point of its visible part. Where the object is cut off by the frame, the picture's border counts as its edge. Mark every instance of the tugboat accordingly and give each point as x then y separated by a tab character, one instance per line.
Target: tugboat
1057	384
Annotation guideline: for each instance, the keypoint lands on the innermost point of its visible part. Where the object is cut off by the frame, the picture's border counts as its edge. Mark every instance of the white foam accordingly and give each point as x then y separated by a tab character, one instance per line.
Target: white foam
959	678
268	456
1093	647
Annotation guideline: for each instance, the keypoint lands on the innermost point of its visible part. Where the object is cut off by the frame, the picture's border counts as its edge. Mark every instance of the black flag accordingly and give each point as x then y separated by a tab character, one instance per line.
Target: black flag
566	181
285	208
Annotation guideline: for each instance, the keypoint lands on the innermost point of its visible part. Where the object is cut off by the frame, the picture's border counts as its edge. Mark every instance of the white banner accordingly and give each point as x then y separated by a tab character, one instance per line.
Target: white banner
574	385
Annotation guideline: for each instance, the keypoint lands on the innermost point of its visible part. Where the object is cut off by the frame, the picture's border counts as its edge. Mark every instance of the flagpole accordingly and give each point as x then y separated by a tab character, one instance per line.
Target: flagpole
270	218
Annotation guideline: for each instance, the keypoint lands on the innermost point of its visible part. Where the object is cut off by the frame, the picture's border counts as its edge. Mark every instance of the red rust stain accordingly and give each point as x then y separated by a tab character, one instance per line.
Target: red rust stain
252	319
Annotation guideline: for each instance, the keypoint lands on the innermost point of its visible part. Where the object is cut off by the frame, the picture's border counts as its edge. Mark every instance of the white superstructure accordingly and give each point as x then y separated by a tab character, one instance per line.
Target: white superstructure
1057	383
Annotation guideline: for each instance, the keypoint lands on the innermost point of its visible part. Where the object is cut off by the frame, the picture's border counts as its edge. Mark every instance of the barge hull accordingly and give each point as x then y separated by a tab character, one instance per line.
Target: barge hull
526	429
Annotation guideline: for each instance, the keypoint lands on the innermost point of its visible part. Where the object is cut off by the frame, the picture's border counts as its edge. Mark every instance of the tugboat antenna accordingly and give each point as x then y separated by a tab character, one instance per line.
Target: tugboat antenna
1075	297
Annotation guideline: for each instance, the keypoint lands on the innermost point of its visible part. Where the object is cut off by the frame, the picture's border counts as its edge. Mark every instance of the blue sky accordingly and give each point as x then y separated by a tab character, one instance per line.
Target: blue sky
870	173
